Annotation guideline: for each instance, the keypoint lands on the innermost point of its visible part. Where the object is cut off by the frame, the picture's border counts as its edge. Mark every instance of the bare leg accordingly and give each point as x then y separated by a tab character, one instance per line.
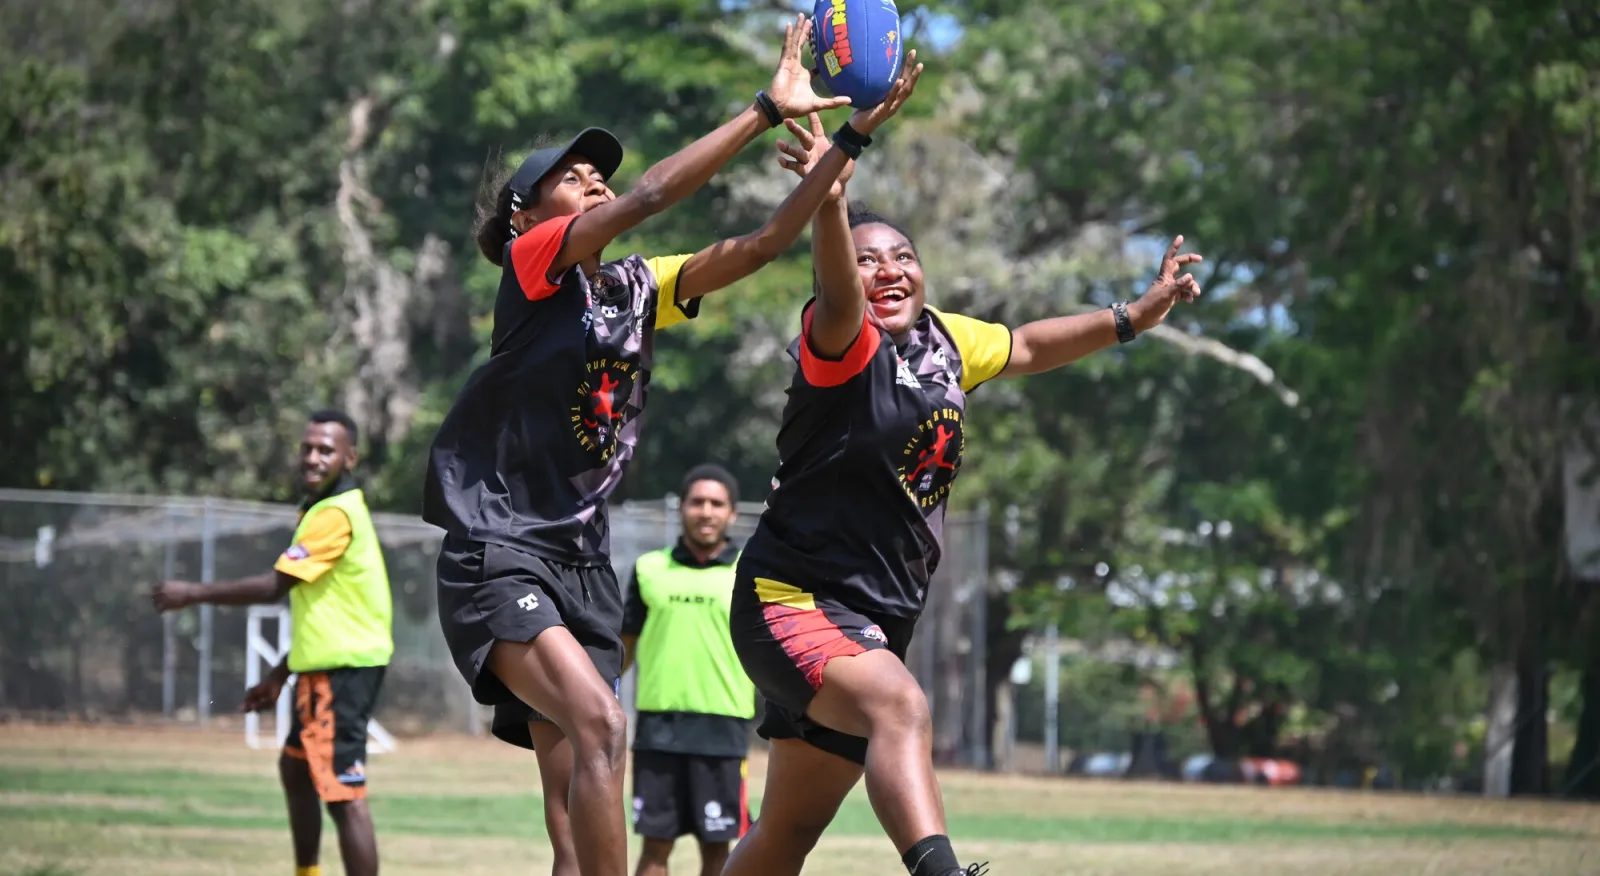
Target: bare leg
358	842
550	746
305	809
653	858
805	786
713	857
554	675
874	695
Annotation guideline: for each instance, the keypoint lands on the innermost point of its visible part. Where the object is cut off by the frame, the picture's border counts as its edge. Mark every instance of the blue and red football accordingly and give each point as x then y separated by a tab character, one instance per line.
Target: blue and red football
857	45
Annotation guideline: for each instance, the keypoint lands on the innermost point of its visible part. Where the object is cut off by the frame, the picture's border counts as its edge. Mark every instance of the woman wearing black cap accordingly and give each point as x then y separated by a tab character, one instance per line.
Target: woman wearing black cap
541	433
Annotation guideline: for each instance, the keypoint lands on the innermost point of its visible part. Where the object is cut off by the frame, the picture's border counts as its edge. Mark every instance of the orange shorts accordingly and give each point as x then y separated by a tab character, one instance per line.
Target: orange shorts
328	729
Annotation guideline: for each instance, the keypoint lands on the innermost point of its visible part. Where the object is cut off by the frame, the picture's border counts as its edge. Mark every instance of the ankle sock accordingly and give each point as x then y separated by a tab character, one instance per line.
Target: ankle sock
931	856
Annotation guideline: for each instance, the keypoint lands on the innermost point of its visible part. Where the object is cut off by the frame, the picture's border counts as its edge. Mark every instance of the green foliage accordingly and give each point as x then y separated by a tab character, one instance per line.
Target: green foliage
202	202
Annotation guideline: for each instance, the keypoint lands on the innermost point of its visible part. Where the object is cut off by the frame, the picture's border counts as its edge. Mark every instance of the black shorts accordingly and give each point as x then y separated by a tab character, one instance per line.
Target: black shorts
677	794
510	724
328	728
785	635
489	593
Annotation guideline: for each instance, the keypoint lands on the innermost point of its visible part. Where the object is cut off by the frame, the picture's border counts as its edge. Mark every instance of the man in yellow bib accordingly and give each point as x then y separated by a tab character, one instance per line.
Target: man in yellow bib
340	643
694	701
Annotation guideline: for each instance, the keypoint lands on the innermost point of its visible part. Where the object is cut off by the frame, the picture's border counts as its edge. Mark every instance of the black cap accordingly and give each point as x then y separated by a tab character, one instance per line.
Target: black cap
596	144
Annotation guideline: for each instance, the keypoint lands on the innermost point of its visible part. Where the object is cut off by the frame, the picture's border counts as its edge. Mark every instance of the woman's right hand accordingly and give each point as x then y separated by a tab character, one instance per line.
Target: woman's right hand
867	120
807	149
791	85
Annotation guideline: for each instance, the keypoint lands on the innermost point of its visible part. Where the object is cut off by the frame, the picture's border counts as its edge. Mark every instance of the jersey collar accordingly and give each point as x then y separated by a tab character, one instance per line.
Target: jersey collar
344	484
685	557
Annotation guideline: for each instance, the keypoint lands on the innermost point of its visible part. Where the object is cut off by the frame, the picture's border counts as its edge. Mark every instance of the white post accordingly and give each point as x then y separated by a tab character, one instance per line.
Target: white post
208	562
259	651
285	695
1052	700
1500	736
169	634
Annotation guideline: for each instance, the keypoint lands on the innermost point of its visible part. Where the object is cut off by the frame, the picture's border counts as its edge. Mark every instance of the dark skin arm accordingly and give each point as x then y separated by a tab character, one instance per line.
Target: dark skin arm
263	589
837	315
680	175
265	694
725	263
1051	343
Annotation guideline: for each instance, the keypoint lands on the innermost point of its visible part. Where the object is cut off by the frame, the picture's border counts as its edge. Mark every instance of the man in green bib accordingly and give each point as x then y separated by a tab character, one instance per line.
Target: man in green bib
340	643
694	702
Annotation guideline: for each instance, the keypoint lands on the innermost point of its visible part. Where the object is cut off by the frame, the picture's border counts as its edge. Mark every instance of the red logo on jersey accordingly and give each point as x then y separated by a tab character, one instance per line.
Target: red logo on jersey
930	461
602	406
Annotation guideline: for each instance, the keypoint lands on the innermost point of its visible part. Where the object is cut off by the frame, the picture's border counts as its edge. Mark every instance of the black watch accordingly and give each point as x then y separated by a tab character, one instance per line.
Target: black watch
1119	312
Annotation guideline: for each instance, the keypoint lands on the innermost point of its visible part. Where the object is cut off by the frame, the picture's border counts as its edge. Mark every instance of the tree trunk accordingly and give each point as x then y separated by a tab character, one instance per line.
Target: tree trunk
1583	766
1005	646
1499	737
1530	753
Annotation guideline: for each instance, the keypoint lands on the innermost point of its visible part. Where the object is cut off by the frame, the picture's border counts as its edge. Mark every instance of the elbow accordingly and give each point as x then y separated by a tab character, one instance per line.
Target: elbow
649	196
1021	360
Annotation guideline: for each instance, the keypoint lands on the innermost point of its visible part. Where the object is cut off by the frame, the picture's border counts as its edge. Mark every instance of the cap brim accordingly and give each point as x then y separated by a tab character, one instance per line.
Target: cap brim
598	145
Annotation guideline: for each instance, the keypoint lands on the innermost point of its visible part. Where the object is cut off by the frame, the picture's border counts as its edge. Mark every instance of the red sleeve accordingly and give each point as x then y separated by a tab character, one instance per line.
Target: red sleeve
832	372
533	252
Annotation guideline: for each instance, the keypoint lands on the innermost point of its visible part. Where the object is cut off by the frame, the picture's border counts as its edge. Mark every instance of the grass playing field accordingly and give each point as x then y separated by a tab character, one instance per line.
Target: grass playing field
136	801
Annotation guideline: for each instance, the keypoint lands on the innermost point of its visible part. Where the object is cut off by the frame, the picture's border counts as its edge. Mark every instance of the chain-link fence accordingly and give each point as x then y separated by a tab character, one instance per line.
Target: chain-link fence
79	636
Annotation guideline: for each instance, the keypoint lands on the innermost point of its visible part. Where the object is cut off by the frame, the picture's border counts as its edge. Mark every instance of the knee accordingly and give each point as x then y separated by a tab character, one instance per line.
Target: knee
901	709
294	773
345	811
601	733
794	838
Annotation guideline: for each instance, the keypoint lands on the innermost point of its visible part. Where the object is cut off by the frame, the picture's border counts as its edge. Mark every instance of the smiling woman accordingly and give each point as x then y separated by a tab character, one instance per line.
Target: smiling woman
825	601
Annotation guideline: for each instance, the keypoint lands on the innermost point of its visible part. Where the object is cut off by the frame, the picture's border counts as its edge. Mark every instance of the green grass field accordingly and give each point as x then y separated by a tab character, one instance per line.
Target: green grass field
136	801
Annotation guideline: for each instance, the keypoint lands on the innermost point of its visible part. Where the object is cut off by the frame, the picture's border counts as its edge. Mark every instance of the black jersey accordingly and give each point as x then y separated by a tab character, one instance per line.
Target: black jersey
543	431
868	449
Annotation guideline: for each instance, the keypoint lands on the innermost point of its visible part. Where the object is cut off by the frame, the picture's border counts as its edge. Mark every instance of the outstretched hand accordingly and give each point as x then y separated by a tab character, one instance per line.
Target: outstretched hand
807	149
173	595
791	85
811	142
1152	307
262	696
867	120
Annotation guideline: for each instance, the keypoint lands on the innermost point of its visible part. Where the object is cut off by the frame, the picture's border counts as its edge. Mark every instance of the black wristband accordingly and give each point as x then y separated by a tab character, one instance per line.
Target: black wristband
850	141
1119	312
769	108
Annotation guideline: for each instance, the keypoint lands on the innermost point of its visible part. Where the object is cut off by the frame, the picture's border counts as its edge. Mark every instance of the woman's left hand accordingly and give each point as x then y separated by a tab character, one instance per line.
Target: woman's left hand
791	84
807	150
1157	301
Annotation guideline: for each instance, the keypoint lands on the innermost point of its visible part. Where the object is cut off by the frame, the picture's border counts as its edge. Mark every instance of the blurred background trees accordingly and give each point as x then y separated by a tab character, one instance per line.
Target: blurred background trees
1340	491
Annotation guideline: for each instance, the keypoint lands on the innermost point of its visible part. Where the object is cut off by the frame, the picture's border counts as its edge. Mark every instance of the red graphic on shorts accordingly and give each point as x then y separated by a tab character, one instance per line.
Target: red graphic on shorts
933	456
808	638
602	398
